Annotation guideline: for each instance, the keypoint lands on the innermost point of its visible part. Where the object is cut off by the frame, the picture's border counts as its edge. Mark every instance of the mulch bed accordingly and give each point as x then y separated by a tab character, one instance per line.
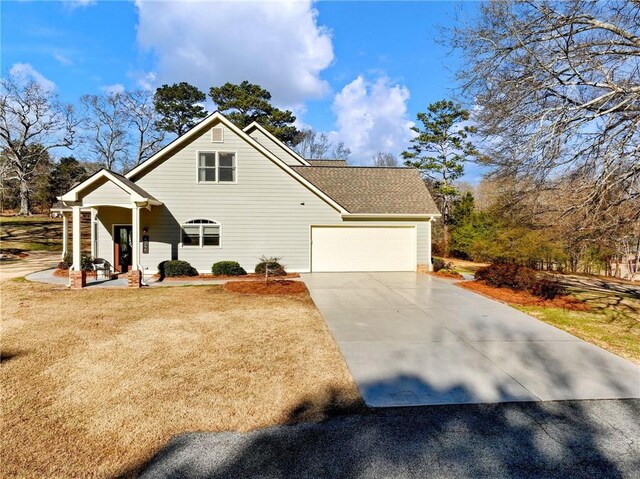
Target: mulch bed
61	273
270	287
205	277
523	298
448	274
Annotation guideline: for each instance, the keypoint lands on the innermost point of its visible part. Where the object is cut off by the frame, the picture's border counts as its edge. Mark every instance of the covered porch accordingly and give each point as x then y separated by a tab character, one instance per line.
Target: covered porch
105	192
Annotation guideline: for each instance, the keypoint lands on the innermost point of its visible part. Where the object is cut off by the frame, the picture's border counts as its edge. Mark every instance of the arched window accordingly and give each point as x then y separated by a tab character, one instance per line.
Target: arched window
200	232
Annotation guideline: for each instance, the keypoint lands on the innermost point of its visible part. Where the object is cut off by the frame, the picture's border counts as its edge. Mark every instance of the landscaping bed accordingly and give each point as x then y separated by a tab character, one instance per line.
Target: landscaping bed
445	273
205	277
523	298
270	287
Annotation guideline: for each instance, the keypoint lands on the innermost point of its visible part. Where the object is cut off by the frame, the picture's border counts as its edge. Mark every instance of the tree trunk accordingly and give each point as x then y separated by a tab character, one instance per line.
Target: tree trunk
25	204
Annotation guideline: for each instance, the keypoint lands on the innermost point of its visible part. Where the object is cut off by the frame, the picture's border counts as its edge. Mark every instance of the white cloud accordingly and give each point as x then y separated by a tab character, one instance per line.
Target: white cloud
73	4
279	45
372	117
63	59
115	88
24	72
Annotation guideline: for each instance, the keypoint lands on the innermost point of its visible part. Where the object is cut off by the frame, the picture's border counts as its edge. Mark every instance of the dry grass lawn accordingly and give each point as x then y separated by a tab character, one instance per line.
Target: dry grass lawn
95	381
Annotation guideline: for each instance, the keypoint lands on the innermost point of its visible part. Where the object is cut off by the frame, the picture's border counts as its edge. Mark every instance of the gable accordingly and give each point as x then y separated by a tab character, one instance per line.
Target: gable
275	146
104	192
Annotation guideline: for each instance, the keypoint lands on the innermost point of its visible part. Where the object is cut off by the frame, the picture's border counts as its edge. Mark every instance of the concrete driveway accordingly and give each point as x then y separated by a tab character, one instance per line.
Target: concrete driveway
418	340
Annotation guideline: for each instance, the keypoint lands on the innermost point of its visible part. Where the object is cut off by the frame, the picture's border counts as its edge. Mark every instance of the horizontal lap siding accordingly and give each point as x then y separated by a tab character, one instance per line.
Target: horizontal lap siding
260	215
106	192
275	148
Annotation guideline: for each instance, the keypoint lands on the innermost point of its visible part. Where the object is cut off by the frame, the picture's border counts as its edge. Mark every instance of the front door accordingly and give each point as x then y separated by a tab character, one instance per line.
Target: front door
122	248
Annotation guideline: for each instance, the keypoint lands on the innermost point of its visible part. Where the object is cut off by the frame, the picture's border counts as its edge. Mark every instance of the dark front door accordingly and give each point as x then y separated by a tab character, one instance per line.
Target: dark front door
122	248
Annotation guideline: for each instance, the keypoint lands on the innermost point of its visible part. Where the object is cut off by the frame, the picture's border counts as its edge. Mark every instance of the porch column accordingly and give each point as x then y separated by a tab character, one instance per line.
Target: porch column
94	213
135	276
77	277
76	239
65	234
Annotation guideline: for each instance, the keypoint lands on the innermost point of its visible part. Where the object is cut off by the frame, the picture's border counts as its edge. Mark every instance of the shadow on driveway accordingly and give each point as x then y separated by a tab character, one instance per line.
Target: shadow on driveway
573	439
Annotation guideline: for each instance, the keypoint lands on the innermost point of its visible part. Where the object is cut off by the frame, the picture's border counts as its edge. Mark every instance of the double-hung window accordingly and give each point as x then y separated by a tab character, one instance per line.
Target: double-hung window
200	232
216	167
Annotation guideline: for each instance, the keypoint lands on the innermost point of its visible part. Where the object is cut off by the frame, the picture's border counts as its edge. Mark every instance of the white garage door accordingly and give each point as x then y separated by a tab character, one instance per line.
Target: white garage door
363	248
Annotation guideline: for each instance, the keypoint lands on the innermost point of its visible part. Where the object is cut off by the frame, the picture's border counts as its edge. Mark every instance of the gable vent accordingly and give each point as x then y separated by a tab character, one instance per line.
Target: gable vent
216	134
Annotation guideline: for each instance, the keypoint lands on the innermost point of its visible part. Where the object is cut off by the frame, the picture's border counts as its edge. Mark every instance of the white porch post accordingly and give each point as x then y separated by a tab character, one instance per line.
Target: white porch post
135	233
429	265
65	234
76	238
94	212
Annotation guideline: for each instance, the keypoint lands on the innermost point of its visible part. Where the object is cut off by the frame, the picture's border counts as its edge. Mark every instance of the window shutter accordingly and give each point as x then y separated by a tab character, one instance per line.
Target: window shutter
216	134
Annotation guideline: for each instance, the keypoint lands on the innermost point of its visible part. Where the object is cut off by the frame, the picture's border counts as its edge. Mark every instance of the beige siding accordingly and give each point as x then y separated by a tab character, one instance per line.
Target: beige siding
105	192
267	212
278	150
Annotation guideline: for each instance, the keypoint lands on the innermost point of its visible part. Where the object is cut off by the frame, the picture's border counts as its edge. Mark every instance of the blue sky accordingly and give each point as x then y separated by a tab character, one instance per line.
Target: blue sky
359	71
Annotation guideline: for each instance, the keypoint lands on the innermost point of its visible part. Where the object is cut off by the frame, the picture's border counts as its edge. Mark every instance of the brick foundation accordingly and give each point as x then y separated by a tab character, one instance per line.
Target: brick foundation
78	279
423	268
134	279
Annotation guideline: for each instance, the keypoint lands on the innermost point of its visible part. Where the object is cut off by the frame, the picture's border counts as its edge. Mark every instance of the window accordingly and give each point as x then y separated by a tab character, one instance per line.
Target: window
200	232
216	167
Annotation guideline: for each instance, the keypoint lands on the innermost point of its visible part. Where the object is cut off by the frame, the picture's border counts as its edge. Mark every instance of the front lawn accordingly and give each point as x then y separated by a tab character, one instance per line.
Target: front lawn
95	381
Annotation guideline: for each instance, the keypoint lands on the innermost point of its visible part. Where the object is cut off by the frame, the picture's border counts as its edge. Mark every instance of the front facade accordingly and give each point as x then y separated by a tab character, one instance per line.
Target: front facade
220	193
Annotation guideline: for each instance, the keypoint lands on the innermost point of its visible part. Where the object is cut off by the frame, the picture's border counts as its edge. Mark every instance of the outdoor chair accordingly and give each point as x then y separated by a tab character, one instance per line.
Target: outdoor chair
103	266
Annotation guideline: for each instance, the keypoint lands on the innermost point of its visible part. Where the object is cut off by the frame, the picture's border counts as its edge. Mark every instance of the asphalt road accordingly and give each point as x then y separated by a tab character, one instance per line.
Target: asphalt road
571	439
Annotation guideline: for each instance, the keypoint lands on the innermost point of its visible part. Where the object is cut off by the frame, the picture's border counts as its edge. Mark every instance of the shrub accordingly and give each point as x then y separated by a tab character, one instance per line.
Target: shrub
507	275
228	268
176	268
86	262
548	288
275	268
438	264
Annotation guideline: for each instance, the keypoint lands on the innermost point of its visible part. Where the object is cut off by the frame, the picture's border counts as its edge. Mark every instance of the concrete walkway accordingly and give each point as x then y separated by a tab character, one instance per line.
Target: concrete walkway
419	340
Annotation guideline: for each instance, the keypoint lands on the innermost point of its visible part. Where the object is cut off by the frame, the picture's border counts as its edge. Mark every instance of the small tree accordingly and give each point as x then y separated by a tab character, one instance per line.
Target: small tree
32	122
440	151
179	107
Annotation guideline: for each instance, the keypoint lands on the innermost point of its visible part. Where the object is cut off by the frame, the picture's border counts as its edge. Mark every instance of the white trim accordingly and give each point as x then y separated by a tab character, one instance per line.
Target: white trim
217	166
395	216
201	234
221	118
258	126
414	238
72	195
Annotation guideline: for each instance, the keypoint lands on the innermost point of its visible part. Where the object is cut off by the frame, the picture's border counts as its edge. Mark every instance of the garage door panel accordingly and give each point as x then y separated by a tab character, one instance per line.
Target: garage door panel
363	248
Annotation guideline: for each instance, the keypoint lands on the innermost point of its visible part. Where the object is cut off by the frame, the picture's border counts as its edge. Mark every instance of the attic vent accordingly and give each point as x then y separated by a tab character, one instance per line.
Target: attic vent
216	134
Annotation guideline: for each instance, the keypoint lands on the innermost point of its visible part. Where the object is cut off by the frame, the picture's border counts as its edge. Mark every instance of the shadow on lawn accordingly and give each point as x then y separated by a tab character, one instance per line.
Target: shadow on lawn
513	440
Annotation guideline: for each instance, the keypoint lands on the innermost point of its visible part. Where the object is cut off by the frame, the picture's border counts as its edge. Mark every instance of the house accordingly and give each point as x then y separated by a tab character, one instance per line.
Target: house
222	193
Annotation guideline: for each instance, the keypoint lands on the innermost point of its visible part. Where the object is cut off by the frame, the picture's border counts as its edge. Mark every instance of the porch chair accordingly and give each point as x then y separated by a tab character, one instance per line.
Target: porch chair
102	265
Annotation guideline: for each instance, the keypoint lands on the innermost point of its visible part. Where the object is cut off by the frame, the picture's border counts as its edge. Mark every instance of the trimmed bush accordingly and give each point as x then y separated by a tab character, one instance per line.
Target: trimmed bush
86	262
175	268
274	265
507	275
227	268
547	288
438	264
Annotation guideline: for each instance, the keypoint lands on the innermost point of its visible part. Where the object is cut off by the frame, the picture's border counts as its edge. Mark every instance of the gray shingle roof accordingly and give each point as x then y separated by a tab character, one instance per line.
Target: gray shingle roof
328	162
373	190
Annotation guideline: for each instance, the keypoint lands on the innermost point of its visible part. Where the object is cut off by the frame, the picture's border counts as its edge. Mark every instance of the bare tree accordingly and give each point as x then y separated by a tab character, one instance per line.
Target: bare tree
142	118
384	159
106	128
557	88
311	145
32	122
341	152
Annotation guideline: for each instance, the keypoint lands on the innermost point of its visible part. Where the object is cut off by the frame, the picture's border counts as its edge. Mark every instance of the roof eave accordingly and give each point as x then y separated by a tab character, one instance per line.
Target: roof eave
404	216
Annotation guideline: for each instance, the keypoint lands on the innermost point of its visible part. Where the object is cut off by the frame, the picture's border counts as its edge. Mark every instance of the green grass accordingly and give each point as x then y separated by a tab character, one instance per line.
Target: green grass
613	321
30	233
